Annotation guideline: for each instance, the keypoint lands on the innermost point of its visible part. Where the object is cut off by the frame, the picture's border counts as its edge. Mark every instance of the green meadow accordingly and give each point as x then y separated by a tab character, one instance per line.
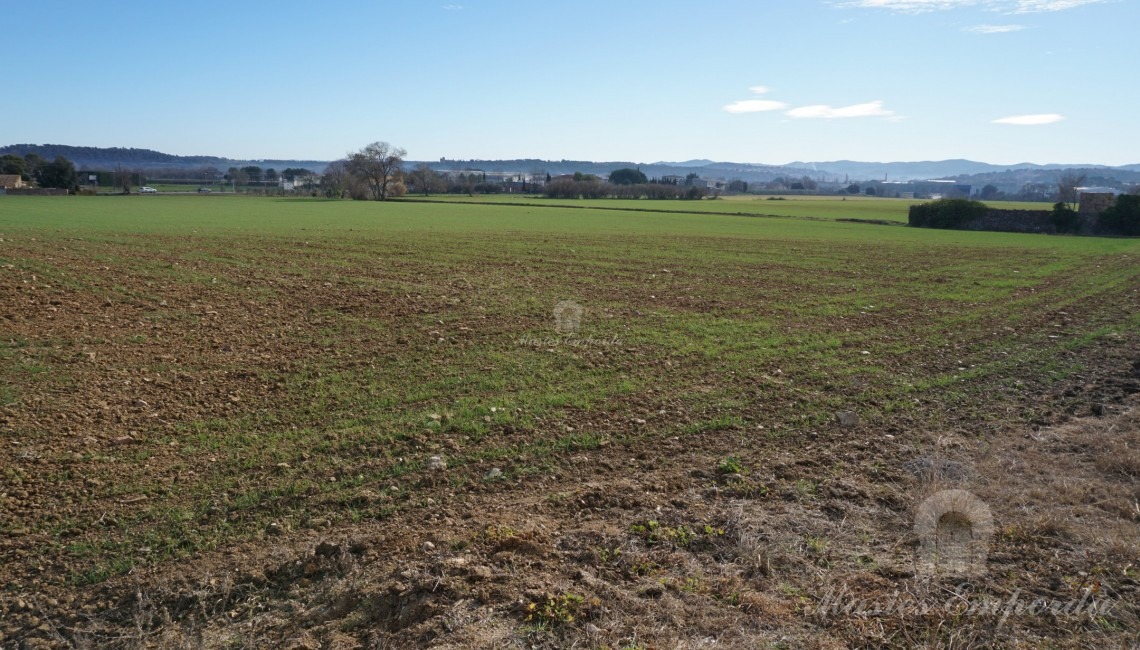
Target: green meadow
204	366
811	207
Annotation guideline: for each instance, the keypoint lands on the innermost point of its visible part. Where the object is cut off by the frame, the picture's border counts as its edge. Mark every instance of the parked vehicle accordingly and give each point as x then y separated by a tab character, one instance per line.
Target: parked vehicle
147	190
204	190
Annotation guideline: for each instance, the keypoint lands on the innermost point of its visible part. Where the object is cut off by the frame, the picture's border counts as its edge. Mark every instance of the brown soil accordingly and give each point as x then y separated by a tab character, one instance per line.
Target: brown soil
648	542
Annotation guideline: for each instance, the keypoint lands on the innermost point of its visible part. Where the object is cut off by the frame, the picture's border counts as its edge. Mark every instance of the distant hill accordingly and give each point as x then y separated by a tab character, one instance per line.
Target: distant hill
922	169
1012	180
688	163
980	173
741	171
106	158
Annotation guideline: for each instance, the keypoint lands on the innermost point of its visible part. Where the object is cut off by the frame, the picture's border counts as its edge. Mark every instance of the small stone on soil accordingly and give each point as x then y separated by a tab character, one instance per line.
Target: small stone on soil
847	419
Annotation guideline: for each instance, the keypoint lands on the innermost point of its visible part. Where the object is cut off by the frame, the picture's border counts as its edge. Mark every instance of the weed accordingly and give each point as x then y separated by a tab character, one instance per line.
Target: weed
653	533
606	555
730	465
555	609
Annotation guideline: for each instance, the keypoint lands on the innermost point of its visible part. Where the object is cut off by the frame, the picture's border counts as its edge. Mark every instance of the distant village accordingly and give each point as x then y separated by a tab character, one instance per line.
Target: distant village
98	171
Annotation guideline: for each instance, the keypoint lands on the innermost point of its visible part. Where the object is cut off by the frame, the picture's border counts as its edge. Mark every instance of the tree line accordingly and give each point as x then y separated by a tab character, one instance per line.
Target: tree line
109	155
59	173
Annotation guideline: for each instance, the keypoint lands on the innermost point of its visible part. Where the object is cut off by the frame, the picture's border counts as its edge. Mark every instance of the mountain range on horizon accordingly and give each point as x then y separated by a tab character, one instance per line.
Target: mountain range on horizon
906	170
145	159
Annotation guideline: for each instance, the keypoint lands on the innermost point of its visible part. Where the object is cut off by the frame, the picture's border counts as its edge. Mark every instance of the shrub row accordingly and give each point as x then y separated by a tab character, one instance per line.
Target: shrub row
568	189
946	213
1121	219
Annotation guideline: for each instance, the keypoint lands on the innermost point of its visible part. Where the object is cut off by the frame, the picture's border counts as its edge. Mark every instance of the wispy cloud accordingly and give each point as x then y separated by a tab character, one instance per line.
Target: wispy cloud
1004	6
910	6
995	29
453	7
821	111
816	111
1038	6
754	106
1031	120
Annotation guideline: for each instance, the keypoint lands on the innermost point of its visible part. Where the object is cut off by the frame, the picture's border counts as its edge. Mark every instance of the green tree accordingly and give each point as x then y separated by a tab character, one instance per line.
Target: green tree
989	193
628	176
292	173
59	173
853	188
1123	218
237	176
252	172
270	175
13	164
32	164
1065	219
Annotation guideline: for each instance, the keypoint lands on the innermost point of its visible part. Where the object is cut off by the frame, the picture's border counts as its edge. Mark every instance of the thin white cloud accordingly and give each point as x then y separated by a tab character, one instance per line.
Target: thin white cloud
1040	6
995	29
453	7
1004	6
760	90
824	112
910	6
1031	120
754	106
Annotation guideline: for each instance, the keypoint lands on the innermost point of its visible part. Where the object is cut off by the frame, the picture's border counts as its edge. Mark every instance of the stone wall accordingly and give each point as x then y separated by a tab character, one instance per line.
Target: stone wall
1026	221
1013	221
1122	220
37	191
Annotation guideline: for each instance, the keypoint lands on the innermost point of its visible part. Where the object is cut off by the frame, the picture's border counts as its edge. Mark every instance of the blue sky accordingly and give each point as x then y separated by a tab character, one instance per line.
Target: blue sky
1003	81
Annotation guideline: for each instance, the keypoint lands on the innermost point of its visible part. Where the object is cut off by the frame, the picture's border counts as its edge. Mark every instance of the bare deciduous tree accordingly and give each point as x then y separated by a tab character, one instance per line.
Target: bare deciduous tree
123	179
380	165
1067	189
335	180
425	179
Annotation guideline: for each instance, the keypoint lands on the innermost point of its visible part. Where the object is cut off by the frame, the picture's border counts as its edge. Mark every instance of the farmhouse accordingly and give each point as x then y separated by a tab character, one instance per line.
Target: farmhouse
926	189
11	182
1094	200
706	184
